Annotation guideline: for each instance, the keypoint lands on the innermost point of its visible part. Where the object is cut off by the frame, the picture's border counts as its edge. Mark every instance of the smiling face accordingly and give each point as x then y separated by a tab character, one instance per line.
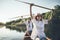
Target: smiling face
38	17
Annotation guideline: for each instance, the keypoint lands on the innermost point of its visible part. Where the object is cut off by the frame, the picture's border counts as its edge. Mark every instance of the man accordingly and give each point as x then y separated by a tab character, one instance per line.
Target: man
29	27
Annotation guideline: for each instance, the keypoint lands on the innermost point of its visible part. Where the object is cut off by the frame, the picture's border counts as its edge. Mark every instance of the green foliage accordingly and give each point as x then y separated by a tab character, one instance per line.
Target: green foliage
1	24
53	26
57	7
13	22
47	15
17	25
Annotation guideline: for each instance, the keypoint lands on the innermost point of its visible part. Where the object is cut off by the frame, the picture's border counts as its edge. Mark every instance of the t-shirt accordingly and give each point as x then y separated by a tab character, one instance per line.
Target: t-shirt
29	26
38	29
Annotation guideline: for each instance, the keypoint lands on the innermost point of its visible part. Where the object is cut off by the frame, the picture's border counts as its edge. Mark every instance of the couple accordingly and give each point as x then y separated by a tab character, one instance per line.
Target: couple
35	27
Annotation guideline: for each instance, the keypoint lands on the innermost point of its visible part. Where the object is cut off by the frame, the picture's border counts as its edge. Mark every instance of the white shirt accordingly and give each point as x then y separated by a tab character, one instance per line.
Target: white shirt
28	25
38	29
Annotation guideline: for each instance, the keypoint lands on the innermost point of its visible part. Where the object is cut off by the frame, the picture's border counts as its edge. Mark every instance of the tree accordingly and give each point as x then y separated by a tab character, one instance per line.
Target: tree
54	24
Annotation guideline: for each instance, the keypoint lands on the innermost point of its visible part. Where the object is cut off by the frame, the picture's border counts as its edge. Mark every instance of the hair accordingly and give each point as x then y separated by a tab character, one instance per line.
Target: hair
29	19
38	15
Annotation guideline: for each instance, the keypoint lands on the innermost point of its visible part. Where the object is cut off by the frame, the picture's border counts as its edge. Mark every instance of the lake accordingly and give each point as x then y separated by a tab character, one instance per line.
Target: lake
7	34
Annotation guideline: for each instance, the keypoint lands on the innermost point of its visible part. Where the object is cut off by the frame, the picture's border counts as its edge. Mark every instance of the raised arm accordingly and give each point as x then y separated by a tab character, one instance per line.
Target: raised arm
31	10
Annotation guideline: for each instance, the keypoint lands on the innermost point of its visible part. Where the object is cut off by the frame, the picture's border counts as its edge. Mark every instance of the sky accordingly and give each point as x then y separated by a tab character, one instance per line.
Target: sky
12	8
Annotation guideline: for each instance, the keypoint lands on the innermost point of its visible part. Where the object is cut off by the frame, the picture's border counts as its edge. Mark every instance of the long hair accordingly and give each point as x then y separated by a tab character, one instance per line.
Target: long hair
38	15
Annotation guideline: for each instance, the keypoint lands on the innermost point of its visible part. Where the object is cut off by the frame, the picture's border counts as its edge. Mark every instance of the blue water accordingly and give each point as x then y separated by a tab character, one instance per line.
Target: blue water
7	34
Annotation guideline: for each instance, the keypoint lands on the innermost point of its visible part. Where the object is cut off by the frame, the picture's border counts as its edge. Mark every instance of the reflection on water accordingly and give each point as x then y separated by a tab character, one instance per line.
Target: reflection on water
7	34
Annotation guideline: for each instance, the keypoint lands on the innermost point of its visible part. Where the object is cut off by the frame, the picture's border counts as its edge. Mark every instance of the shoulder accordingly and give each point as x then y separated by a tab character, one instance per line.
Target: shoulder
45	21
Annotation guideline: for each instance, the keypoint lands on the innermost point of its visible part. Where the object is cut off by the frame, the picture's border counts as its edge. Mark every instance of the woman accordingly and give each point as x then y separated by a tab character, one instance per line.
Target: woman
38	29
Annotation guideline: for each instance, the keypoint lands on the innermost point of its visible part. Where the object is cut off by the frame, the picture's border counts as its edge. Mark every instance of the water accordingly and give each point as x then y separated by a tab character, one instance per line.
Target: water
7	34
